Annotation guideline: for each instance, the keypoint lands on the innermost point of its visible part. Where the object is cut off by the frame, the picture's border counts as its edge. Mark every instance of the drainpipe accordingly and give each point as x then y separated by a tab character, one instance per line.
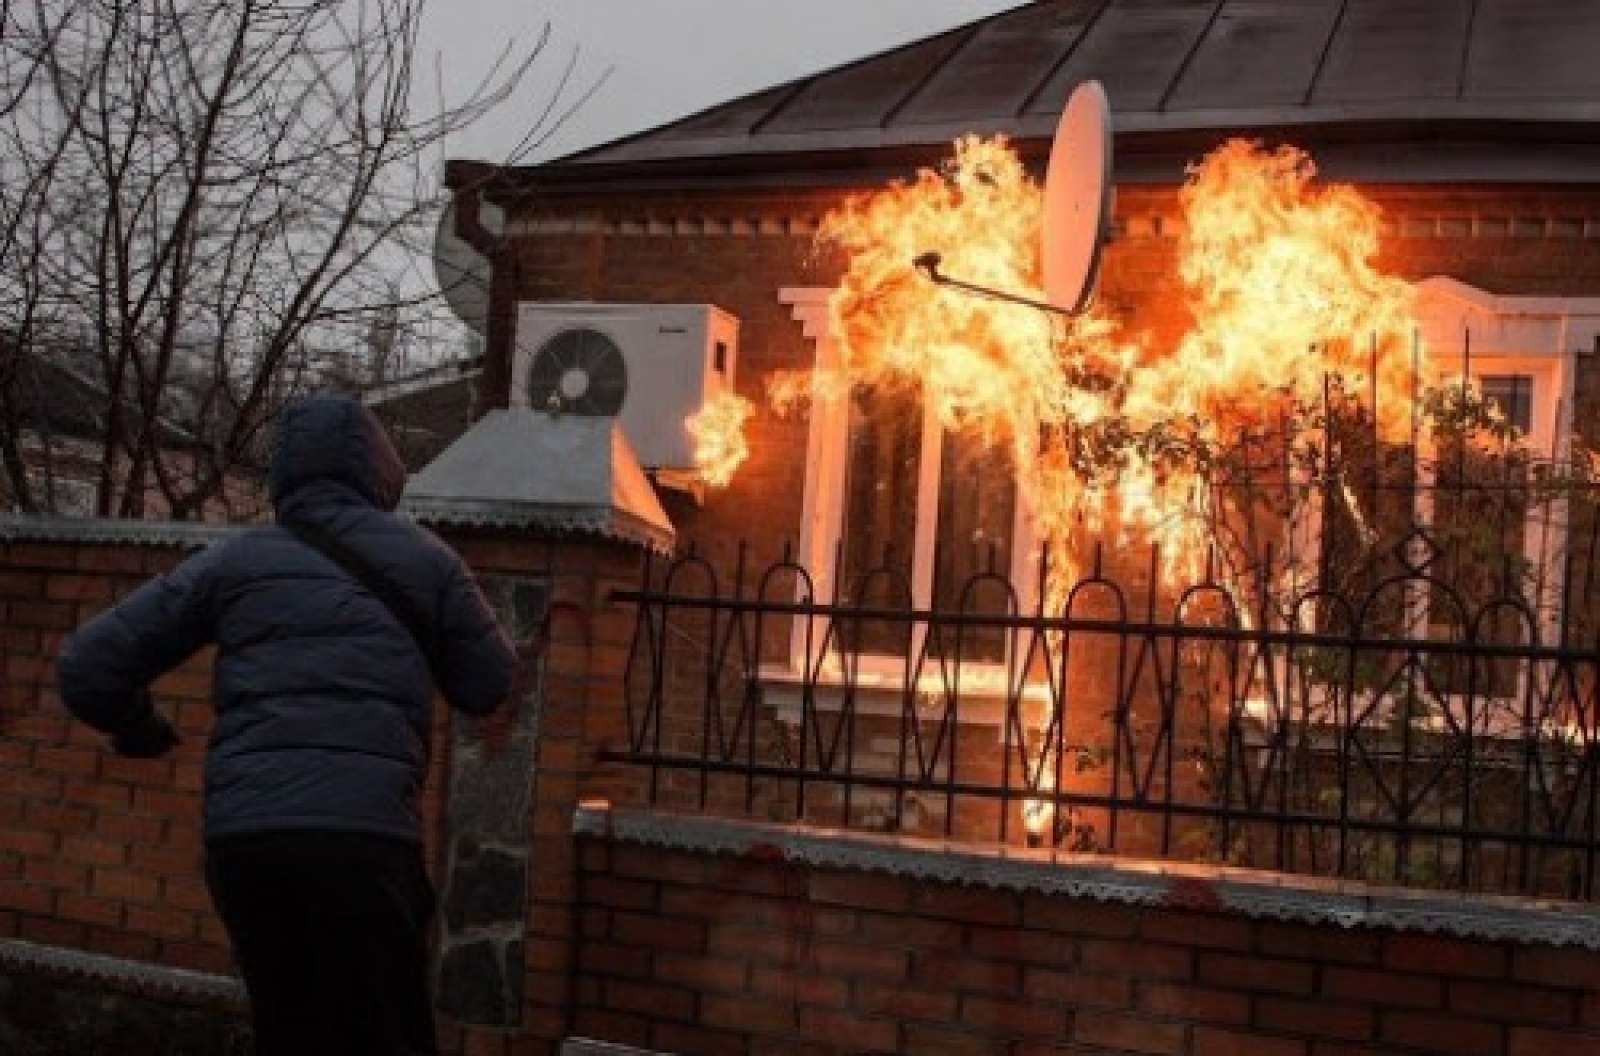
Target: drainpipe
468	182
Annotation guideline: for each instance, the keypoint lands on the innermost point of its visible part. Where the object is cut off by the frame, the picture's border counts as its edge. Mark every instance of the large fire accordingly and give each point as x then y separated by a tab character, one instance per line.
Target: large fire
1106	428
1117	437
1280	280
1112	435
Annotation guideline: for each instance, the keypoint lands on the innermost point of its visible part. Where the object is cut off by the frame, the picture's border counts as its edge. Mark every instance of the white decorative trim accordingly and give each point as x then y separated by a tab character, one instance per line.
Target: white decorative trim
1157	226
655	226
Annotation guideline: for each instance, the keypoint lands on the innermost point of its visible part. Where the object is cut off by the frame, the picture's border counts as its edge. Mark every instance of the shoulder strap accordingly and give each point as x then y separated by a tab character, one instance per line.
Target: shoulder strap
318	538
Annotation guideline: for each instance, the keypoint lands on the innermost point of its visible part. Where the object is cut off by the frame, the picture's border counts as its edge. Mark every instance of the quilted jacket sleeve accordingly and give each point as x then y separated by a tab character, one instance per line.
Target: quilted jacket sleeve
106	665
477	665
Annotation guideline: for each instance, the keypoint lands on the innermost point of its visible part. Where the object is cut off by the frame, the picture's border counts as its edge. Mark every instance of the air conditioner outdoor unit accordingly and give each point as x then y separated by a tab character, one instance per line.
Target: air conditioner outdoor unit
649	365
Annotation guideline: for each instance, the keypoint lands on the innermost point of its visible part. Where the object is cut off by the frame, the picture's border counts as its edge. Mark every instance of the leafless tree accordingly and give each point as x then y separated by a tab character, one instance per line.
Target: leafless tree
203	204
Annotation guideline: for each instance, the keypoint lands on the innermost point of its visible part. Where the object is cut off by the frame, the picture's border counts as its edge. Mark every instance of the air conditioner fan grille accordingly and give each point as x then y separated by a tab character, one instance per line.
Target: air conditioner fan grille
578	371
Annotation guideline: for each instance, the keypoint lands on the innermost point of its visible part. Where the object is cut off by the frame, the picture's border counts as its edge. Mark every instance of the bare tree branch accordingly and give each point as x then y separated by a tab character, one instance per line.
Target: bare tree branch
205	205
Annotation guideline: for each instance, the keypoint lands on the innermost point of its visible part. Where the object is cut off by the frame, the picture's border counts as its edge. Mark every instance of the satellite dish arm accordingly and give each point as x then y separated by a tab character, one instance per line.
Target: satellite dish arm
928	264
1077	210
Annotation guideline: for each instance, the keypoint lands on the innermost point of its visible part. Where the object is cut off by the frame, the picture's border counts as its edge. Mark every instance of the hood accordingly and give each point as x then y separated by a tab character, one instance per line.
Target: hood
338	440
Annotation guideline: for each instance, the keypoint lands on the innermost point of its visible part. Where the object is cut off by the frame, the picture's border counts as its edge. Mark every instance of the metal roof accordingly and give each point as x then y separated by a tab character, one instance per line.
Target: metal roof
561	473
1443	85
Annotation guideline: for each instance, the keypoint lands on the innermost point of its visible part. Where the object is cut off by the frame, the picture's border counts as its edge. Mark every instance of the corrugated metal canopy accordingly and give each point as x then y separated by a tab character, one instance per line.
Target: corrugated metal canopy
564	474
1467	75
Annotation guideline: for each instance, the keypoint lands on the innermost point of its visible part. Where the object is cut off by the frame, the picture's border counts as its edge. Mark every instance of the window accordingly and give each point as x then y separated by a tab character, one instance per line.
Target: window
1513	394
898	512
1521	353
1491	548
1480	514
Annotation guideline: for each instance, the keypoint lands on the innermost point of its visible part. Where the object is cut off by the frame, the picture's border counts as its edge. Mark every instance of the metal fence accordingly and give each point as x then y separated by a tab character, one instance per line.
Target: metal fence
1418	727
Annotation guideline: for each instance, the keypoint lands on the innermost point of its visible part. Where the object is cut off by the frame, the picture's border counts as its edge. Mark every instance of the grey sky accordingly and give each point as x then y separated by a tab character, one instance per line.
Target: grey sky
666	58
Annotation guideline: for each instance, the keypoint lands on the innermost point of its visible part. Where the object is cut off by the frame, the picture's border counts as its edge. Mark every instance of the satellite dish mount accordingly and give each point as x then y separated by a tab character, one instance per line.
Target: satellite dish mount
1077	210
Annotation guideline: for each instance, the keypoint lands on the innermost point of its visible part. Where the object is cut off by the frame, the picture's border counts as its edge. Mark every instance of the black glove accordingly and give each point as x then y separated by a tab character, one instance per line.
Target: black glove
147	735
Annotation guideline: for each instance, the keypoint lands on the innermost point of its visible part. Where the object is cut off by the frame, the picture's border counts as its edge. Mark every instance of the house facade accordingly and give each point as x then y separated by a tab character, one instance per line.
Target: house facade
1474	158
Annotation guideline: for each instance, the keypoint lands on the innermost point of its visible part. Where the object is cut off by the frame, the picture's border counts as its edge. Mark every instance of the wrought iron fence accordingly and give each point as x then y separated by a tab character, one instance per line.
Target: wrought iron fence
1417	732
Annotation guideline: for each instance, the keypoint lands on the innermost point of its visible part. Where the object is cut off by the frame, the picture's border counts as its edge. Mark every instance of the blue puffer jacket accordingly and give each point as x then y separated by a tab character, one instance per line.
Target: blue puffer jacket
322	697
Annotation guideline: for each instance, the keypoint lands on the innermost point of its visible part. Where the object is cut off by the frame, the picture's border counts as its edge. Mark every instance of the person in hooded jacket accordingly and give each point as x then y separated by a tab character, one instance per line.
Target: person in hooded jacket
319	748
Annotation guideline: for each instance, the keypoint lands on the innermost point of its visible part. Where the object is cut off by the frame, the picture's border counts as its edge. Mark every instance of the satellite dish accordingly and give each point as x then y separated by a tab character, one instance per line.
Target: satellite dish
461	271
1077	210
1077	199
578	371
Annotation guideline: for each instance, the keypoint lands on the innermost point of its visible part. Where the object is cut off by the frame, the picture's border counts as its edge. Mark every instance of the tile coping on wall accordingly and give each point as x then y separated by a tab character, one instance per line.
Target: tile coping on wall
1167	885
43	528
120	974
552	518
198	988
1171	885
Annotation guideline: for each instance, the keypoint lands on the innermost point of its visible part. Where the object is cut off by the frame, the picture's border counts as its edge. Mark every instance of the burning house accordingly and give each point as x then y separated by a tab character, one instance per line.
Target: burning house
1337	377
934	650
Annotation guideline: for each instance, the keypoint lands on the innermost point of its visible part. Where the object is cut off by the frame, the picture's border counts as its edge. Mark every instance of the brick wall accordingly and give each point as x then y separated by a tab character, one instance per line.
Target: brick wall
746	946
584	653
775	939
102	855
99	853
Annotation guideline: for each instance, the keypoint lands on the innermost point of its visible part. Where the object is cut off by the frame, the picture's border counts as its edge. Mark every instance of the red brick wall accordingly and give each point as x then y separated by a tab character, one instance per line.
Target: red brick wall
700	953
584	657
103	854
98	853
696	953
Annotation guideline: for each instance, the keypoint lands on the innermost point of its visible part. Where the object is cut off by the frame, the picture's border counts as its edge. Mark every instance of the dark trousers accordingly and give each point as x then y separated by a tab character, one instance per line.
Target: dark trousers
330	931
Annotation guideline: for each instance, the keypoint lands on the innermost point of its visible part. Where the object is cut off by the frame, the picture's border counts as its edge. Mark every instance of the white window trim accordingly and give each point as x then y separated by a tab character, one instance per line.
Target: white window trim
827	456
1538	337
1532	336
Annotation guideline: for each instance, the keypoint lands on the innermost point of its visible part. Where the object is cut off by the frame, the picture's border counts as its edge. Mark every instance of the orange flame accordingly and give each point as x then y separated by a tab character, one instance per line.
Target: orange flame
1278	277
985	365
718	433
1283	291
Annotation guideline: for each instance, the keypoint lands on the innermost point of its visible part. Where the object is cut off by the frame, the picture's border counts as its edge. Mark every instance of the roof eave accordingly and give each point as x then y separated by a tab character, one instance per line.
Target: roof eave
1402	147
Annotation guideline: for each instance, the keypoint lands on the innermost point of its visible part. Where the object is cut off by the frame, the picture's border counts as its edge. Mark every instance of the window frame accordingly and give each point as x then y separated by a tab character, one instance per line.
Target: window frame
1537	337
822	513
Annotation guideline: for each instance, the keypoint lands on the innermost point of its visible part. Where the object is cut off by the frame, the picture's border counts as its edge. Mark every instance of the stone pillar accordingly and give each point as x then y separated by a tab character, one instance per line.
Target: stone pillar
484	894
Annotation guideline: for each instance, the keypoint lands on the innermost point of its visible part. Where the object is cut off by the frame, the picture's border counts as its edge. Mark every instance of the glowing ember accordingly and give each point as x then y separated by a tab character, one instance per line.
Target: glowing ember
718	433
